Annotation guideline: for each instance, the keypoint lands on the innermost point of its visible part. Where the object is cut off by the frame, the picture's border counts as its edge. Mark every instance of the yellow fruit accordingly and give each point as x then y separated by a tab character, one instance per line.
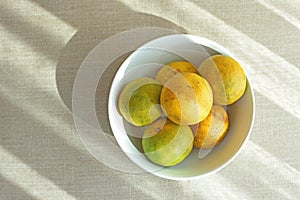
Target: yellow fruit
186	98
139	101
166	143
173	68
226	77
212	129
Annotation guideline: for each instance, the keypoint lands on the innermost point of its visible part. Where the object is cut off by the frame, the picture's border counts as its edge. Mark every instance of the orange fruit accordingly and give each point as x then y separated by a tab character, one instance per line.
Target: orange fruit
226	77
186	98
212	129
173	68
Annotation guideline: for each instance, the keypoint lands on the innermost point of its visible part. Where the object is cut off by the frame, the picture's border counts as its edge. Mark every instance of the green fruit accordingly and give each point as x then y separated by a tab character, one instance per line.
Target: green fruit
166	143
139	101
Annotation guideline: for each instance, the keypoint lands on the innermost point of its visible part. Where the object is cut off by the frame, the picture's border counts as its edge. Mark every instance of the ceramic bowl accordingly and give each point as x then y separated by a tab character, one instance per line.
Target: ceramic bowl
146	61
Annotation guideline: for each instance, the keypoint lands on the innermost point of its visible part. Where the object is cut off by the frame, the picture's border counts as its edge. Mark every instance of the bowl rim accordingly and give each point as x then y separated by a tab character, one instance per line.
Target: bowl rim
223	51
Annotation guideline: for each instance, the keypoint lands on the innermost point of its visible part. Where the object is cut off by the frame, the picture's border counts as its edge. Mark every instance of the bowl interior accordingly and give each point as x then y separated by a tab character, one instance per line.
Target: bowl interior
146	61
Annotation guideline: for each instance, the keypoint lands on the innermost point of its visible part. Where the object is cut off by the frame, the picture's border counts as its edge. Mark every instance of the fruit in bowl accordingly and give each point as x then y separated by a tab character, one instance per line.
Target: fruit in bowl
166	143
173	68
226	77
212	129
187	101
186	98
139	101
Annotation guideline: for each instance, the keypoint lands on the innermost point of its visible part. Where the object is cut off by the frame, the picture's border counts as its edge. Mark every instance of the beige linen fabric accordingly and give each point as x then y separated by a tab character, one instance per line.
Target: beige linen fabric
42	44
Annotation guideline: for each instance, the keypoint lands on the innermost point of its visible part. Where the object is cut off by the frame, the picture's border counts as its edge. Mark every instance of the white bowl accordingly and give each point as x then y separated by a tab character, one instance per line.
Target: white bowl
146	61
